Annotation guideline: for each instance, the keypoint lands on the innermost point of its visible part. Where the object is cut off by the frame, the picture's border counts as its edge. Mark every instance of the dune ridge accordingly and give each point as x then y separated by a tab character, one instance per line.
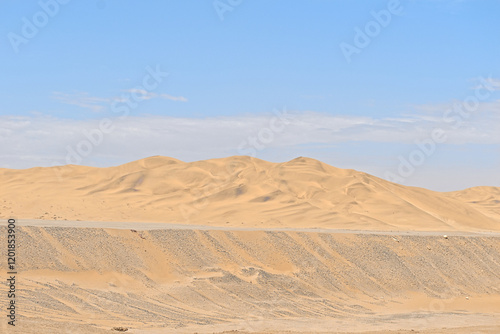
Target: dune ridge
241	191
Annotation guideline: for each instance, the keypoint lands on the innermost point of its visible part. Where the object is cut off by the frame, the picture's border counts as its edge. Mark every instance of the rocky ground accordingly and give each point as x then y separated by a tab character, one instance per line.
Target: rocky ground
90	280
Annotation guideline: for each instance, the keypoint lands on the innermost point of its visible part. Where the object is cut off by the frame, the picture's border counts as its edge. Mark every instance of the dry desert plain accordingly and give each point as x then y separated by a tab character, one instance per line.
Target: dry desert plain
242	245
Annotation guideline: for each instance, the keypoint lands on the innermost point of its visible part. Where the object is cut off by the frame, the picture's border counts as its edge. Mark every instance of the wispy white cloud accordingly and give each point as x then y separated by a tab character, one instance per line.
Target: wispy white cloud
41	140
99	104
83	100
472	111
491	84
173	98
143	94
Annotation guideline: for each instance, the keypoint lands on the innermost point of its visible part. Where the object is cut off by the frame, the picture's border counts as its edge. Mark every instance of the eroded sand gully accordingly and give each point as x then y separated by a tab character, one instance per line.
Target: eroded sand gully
88	280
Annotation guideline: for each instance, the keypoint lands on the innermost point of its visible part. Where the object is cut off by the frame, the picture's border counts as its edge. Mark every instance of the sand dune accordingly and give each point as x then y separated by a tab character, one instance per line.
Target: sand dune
248	246
484	199
241	191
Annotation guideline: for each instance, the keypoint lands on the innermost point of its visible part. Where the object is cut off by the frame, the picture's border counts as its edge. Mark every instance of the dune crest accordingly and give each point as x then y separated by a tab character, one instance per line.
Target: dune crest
242	191
485	199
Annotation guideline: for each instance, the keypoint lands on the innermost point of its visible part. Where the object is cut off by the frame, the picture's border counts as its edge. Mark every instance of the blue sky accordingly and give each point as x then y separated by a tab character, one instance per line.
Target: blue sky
228	70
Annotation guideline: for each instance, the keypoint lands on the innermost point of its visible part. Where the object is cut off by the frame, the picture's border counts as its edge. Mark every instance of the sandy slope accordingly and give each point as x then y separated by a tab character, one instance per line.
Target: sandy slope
88	280
241	191
484	199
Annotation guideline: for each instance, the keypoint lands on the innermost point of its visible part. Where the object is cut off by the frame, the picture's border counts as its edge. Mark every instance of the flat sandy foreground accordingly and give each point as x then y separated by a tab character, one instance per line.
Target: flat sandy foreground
78	277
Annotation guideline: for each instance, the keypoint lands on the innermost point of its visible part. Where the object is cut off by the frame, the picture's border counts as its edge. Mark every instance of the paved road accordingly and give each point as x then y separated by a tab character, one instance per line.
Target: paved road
168	226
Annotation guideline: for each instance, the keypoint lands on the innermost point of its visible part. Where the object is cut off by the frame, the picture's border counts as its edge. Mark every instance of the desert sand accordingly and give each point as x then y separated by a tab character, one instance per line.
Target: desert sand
241	245
205	281
242	191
